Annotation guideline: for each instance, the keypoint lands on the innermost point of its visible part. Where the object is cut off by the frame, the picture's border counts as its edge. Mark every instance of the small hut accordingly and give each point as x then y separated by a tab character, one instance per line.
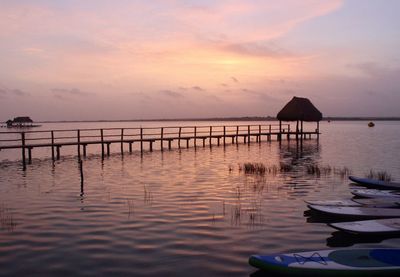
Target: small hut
21	121
299	109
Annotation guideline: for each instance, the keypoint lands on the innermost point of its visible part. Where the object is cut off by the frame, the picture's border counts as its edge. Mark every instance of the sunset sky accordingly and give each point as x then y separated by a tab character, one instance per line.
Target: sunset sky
99	60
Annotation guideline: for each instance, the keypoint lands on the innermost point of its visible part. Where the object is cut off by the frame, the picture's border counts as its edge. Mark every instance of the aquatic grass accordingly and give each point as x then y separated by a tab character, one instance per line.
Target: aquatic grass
131	206
262	169
318	170
379	175
285	167
342	172
236	214
254	168
148	195
7	221
238	193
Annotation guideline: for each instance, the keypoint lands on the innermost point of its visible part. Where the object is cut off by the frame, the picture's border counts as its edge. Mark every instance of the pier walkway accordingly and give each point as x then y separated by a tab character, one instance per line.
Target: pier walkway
163	136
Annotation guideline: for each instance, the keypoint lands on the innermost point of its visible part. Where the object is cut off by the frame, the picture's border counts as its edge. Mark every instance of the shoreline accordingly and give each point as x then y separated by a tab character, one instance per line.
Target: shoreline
250	118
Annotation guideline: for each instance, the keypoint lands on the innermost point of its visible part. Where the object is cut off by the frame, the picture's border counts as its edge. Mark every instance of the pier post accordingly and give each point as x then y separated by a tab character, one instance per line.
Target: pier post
29	155
84	150
108	148
141	140
317	129
58	151
23	150
52	145
151	145
122	141
269	133
259	133
195	136
102	143
224	135
162	139
179	137
302	133
288	134
237	134
248	132
280	131
169	144
210	135
79	143
130	147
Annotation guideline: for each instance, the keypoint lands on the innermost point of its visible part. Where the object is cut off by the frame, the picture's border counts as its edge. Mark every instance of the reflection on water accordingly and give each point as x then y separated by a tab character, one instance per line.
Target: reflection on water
190	211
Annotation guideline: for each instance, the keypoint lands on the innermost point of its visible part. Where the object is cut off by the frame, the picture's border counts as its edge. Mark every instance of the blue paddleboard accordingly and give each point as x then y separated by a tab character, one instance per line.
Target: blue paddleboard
373	183
332	262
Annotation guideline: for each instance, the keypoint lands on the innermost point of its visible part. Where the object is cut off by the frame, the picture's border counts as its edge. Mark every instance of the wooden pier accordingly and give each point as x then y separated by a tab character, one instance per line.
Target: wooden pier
26	141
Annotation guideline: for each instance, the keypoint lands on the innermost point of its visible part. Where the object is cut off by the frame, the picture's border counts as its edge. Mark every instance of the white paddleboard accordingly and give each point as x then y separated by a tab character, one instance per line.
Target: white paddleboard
384	202
361	212
381	226
339	203
368	202
374	193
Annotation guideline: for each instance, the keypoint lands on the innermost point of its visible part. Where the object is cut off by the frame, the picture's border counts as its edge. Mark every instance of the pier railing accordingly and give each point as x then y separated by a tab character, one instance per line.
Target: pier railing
163	136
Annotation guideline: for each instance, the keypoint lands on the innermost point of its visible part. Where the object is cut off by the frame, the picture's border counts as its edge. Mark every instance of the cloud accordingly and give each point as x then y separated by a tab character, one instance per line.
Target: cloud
197	88
11	92
258	49
375	70
263	96
69	94
172	94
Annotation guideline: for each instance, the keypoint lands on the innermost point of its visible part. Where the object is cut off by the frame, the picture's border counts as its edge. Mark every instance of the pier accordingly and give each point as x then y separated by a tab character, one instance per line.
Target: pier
146	138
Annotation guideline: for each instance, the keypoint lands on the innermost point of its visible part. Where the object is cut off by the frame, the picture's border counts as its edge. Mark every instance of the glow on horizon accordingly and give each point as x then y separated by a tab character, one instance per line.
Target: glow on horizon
71	60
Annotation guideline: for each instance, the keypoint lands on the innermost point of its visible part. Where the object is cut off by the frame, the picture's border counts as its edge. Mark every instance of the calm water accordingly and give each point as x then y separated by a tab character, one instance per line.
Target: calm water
181	212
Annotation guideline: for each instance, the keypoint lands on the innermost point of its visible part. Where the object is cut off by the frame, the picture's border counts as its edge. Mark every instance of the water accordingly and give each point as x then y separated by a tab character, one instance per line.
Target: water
181	212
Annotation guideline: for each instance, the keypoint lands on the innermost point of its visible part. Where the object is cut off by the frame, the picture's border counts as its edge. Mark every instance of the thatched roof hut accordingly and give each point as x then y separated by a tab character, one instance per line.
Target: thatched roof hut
22	119
299	109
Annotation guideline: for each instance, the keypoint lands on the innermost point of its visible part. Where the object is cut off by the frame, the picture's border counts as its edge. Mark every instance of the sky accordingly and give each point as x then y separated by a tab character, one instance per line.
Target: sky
140	59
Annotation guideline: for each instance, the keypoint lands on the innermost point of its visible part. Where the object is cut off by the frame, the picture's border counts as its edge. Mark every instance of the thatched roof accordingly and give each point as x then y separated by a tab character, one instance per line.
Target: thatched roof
22	119
299	109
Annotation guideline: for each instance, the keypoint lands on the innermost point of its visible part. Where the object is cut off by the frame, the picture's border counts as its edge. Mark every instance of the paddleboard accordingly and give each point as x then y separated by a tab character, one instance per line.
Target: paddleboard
370	202
332	262
378	226
339	203
374	193
385	202
373	183
360	212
